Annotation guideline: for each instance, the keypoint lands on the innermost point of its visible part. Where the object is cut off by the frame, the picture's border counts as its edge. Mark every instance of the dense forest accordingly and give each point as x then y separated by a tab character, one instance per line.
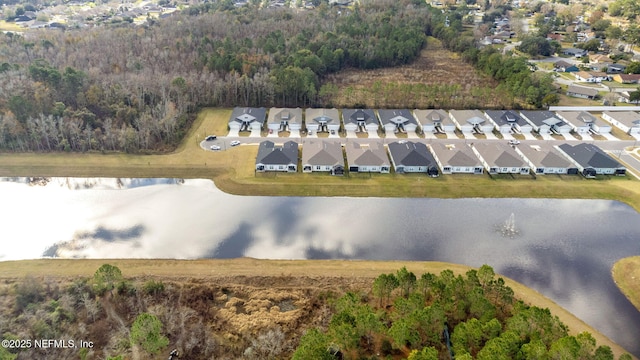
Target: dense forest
395	316
136	88
442	317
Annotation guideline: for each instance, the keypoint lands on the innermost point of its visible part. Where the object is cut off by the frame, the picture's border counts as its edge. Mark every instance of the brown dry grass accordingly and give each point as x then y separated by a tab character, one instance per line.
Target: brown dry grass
408	85
626	274
257	277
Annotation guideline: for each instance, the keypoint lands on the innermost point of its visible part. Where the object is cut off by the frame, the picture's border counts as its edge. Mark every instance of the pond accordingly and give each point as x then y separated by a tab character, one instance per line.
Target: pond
563	248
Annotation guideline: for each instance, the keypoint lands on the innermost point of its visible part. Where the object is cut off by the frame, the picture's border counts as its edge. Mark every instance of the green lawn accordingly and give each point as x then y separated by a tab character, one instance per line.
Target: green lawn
233	172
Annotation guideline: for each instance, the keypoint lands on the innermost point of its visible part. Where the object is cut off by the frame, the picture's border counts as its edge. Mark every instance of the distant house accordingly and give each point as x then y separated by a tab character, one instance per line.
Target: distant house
367	157
322	155
454	159
277	158
397	120
616	69
470	120
412	157
322	120
600	59
582	122
434	121
627	121
545	159
626	78
574	52
500	158
564	66
508	121
591	76
247	119
284	119
582	92
545	122
591	160
360	120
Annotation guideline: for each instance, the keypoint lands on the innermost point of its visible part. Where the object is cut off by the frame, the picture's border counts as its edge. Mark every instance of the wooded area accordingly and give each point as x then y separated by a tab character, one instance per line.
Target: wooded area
444	316
126	88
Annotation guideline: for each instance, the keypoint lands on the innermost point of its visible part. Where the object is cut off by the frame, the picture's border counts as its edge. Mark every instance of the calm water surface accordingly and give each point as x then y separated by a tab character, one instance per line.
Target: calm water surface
564	248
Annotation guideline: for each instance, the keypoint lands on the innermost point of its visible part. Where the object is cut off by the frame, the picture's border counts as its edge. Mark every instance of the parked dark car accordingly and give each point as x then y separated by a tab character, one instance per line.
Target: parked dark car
211	137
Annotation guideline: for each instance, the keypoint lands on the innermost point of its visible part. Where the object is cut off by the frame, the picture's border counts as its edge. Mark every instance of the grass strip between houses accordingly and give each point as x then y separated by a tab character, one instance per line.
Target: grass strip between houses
316	271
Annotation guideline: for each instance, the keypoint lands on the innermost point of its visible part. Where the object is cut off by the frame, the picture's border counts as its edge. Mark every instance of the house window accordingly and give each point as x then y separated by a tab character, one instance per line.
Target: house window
524	170
318	167
493	170
306	168
478	170
260	168
446	168
539	171
384	168
281	167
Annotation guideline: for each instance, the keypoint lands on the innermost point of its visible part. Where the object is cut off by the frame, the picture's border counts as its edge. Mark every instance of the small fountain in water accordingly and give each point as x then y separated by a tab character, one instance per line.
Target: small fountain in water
508	229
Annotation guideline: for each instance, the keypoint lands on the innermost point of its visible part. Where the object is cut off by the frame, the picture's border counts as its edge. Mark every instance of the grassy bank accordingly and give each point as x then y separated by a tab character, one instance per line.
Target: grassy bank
626	274
233	172
296	271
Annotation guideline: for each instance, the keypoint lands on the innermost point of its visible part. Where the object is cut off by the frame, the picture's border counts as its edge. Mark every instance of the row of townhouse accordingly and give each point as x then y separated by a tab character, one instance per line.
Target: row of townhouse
326	155
430	121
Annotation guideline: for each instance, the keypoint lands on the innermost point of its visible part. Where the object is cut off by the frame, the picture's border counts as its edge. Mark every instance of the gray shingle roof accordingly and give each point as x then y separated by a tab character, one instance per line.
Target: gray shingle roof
355	115
270	154
502	117
410	153
322	152
396	116
589	155
247	114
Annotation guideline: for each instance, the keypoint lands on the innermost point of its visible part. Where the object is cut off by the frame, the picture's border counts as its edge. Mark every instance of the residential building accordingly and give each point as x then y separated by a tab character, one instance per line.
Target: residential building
272	157
322	155
582	92
434	121
544	159
397	120
626	78
591	160
322	120
284	119
498	157
545	122
470	120
454	159
412	157
591	76
574	52
247	119
357	120
564	66
627	121
582	122
508	121
367	157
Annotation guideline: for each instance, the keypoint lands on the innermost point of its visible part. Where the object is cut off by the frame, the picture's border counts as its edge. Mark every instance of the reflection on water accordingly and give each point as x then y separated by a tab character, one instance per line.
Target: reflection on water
564	248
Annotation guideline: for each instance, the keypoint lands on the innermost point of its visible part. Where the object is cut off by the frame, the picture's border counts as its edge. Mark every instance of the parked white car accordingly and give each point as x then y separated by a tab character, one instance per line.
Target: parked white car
215	147
235	143
514	142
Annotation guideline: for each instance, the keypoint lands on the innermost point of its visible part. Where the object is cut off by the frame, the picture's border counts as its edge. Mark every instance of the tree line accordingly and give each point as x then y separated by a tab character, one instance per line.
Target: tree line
432	317
121	87
128	88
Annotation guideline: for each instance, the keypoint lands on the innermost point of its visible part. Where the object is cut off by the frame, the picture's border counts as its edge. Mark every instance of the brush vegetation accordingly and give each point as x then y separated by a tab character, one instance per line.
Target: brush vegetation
257	309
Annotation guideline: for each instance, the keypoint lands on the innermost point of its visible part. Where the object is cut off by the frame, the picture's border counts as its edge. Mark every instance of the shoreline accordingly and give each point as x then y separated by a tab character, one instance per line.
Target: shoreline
250	268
